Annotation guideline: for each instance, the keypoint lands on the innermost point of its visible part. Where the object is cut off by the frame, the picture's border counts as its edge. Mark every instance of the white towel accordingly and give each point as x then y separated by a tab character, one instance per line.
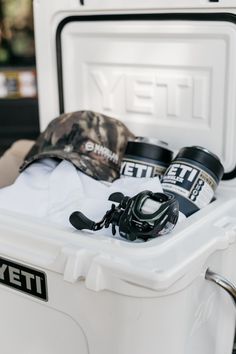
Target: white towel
52	190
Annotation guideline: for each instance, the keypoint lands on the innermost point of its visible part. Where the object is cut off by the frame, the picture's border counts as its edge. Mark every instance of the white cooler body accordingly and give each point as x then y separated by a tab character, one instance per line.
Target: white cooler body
166	70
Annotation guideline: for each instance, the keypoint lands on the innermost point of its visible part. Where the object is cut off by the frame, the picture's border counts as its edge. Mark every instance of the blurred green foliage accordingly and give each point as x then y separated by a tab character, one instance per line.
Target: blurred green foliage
16	33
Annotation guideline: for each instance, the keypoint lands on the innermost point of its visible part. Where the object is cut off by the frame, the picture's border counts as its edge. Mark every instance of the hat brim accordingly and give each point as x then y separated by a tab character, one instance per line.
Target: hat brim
90	166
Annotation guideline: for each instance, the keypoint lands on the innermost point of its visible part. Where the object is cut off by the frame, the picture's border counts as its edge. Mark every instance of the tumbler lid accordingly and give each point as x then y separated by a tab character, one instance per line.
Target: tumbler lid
149	151
204	157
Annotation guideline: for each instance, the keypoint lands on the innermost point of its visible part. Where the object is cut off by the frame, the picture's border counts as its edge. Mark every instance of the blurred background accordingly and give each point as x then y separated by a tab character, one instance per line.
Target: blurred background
18	84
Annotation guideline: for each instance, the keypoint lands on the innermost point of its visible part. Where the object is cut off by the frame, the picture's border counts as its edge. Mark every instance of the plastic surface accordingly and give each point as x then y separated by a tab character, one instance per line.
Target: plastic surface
154	265
166	77
137	295
175	78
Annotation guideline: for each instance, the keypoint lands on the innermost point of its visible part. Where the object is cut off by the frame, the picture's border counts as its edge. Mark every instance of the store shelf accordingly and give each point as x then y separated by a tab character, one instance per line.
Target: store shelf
18	82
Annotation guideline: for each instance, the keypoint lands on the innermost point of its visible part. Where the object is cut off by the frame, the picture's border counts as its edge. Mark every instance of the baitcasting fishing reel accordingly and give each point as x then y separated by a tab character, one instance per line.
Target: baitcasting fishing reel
146	215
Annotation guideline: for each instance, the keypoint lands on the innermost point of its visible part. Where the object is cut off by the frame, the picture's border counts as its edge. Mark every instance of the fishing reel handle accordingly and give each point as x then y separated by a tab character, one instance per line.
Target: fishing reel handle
81	222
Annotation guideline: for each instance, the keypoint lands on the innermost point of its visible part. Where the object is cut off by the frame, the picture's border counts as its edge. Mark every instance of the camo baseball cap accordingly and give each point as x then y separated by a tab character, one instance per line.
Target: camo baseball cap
93	142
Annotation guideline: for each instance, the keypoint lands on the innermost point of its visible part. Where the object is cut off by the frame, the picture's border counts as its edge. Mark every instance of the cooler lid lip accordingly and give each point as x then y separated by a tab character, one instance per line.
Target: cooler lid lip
221	16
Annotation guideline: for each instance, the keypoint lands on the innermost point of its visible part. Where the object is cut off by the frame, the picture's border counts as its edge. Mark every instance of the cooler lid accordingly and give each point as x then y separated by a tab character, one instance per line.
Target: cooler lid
168	76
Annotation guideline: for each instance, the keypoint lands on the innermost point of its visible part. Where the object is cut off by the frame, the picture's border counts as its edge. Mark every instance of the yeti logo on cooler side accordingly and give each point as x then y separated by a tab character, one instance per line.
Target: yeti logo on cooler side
24	279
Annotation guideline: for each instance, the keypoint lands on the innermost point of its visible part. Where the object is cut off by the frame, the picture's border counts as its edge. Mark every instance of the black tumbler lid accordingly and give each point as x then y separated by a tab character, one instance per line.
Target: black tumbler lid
149	151
204	157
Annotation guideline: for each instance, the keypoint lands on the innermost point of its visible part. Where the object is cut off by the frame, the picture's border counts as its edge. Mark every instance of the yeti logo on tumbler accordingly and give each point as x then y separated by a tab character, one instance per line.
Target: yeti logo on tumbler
193	178
145	157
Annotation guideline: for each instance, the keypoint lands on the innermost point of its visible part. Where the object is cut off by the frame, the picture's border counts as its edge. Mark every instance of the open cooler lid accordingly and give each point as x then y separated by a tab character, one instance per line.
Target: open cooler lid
168	76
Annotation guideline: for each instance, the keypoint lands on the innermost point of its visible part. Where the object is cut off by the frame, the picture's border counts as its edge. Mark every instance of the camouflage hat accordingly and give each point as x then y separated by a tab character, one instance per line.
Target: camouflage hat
93	142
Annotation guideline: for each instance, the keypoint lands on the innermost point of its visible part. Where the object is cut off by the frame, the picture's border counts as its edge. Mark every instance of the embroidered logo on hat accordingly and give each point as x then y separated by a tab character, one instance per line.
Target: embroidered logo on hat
102	151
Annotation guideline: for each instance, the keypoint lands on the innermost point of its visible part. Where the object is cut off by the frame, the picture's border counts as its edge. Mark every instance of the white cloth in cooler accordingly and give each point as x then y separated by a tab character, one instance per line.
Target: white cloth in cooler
53	190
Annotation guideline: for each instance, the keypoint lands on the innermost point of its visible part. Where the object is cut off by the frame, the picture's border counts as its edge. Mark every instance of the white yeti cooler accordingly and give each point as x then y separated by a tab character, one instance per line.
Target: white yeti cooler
167	69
